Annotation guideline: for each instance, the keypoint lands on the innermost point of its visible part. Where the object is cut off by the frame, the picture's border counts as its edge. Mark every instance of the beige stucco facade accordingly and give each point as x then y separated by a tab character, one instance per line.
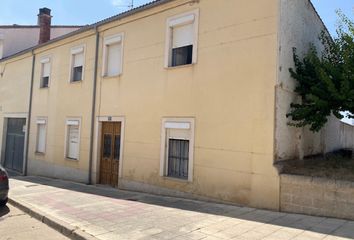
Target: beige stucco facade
231	94
14	94
61	101
233	150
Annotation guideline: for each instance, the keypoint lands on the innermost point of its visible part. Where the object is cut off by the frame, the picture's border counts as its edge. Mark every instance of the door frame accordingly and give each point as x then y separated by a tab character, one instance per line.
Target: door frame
97	146
6	117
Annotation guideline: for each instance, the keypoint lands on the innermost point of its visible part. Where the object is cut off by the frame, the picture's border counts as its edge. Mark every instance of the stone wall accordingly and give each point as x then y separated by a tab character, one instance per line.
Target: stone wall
317	196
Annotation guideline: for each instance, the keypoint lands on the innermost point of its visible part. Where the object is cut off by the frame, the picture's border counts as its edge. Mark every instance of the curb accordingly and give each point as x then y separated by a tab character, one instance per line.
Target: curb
62	227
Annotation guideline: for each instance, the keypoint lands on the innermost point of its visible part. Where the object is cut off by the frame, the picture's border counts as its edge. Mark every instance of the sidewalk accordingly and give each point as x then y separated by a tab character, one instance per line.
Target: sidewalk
92	212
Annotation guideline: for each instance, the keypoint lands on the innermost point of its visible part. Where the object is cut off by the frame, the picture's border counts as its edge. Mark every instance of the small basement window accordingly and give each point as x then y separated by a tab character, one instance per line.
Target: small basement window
178	158
182	36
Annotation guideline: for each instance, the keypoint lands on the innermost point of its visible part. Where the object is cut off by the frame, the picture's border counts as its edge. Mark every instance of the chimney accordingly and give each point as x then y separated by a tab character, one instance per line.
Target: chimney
44	22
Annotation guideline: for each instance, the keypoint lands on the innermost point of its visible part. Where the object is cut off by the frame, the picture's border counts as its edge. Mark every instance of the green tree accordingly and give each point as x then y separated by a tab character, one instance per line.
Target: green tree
325	81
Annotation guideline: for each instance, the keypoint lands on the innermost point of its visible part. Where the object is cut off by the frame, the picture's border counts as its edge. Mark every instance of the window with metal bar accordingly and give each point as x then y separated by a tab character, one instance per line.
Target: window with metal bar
178	158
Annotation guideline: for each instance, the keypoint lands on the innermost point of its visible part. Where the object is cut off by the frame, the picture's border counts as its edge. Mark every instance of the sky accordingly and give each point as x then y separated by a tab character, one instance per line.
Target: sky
82	12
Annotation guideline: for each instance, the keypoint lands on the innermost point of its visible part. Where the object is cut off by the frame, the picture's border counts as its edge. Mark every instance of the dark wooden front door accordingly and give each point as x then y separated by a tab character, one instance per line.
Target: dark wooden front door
110	152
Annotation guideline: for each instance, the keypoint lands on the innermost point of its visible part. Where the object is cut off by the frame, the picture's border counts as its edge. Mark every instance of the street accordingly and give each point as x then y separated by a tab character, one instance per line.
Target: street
17	225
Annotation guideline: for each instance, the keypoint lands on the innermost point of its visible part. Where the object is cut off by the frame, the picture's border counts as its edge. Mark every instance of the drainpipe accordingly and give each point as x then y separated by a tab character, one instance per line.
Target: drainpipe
93	107
28	123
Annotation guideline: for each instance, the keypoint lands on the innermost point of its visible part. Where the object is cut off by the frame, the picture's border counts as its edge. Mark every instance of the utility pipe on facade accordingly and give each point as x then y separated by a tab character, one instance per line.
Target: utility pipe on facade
28	122
93	107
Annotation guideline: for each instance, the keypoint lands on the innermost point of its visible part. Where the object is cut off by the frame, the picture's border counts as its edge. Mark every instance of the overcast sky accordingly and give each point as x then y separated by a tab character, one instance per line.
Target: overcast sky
82	12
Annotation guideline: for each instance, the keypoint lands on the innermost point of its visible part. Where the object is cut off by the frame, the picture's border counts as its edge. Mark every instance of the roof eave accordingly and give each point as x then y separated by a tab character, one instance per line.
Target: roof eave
92	26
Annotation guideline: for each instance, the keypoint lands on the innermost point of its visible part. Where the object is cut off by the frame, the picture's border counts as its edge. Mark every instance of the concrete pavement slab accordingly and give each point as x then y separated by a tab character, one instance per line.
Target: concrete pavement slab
96	212
15	224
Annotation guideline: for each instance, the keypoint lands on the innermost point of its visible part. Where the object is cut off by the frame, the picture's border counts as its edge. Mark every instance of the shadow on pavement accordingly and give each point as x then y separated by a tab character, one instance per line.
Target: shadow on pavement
296	221
13	173
4	211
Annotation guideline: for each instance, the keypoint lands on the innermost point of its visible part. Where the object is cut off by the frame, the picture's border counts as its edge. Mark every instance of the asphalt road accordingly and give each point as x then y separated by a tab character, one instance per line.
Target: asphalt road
17	225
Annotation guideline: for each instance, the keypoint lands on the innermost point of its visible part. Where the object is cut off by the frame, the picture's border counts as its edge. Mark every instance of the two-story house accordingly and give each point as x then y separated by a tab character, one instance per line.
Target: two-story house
176	97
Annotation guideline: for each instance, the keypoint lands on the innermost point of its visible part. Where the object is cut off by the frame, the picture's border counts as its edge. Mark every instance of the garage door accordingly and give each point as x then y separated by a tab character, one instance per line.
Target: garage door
15	142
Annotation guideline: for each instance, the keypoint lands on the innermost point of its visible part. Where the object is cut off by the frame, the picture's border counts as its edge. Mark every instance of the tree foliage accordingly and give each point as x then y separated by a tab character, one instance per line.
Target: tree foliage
325	80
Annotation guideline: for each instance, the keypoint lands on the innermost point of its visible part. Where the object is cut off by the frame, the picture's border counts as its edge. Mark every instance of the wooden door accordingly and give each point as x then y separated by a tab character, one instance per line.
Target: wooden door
110	153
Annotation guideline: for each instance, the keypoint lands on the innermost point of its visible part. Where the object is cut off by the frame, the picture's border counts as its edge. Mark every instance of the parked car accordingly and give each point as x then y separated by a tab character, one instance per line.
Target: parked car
4	186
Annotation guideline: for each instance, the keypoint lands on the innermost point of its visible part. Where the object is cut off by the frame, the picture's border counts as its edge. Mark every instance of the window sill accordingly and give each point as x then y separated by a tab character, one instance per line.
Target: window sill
39	153
75	82
111	77
180	180
44	88
181	66
71	159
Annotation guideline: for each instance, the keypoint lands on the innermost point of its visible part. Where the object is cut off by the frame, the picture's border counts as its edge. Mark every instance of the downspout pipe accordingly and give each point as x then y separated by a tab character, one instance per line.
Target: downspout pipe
93	110
28	123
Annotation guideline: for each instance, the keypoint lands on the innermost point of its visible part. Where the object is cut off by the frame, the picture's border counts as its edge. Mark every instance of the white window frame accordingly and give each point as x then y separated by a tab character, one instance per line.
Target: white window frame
191	17
71	122
41	121
177	123
113	39
44	60
73	51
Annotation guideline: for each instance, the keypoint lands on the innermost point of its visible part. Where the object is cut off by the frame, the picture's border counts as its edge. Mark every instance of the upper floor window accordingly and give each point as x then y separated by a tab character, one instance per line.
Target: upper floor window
45	72
181	39
77	64
112	55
